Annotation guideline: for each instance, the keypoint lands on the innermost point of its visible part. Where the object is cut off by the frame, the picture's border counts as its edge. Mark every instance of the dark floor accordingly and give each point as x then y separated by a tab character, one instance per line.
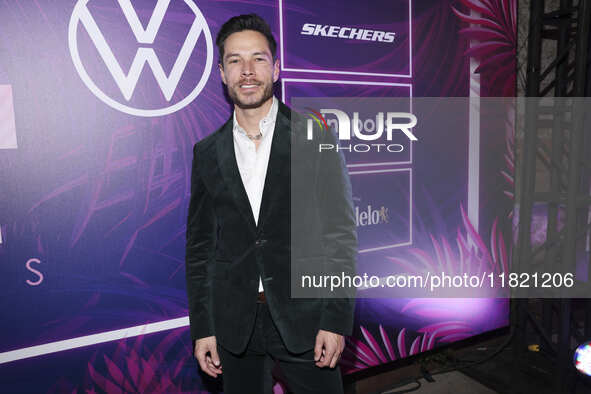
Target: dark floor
452	382
498	374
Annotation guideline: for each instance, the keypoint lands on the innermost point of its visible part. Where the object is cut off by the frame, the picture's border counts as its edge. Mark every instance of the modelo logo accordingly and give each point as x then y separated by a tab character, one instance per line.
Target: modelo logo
370	216
352	33
127	82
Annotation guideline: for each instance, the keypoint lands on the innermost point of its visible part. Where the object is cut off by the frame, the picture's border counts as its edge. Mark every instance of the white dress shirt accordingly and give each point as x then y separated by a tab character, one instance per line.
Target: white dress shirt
253	162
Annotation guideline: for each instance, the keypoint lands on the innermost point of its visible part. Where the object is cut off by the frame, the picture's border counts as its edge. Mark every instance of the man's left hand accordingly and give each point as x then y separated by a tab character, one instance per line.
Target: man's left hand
328	348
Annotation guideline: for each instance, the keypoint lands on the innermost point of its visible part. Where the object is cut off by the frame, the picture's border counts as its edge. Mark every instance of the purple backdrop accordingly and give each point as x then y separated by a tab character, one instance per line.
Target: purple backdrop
94	196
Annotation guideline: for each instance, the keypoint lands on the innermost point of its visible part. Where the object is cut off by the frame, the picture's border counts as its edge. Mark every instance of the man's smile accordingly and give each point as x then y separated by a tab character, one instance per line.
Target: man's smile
249	86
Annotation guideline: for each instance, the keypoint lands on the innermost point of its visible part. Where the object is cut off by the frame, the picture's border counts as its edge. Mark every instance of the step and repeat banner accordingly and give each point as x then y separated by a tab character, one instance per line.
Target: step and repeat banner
101	102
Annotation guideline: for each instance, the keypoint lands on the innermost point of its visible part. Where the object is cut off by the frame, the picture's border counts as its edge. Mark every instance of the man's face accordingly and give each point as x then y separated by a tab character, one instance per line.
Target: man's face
248	69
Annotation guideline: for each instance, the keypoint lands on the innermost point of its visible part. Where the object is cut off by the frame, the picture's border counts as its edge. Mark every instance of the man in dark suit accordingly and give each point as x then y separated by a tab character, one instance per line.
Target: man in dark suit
241	255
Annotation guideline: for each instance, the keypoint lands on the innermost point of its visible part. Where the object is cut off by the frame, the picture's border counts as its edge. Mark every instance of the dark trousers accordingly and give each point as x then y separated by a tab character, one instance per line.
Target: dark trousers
250	372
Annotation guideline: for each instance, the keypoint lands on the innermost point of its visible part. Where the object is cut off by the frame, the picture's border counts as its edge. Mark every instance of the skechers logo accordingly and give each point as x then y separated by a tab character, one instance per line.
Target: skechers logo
351	33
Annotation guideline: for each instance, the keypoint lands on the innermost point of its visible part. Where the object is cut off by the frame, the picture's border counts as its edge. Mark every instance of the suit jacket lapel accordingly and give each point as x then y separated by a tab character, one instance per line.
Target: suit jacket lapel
278	169
231	176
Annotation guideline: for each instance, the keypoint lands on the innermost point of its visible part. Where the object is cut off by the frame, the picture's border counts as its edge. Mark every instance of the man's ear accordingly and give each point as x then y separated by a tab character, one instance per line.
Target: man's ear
276	70
222	74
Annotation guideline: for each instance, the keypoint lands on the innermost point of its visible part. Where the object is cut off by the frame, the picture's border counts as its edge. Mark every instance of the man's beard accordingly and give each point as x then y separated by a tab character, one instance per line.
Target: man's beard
267	94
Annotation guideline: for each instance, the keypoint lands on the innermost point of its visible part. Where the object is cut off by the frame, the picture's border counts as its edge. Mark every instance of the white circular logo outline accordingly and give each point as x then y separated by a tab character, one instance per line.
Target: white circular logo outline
73	44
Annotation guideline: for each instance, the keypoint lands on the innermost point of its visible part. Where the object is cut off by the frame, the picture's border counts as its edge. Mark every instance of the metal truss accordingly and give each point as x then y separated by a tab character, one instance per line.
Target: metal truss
555	149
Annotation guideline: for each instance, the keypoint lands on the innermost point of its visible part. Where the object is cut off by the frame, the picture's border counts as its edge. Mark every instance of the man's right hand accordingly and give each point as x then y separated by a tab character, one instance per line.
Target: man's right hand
206	352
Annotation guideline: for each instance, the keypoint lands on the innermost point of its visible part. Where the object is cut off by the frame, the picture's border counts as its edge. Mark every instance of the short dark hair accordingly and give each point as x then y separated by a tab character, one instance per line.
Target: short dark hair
244	22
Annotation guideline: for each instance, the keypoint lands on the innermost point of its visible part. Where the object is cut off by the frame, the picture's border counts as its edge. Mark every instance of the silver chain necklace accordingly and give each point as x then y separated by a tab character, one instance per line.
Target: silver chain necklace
255	137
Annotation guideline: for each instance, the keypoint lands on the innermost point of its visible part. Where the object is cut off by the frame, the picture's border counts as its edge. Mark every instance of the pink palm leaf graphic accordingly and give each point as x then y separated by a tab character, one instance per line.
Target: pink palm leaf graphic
494	26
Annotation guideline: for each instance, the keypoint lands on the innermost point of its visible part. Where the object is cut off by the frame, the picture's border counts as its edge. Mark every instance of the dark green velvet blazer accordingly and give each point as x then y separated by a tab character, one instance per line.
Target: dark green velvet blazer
226	251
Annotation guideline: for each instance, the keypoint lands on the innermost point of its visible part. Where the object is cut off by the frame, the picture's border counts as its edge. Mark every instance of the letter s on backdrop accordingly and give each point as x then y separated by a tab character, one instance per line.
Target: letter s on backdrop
33	270
389	37
308	29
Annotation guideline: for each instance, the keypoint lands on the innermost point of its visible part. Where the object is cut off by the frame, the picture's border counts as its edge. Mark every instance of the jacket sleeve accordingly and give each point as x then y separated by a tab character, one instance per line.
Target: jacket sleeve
200	248
339	237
